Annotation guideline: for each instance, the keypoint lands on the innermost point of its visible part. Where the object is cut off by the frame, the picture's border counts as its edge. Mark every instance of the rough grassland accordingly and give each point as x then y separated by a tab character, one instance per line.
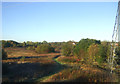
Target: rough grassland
78	72
28	66
32	66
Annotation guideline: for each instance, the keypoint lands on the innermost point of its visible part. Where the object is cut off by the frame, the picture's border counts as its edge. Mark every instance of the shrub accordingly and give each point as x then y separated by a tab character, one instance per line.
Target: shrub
81	48
67	49
30	48
44	48
96	53
93	53
80	53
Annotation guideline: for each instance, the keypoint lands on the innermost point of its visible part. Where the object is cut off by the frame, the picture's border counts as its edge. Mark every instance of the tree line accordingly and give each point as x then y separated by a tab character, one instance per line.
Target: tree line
88	50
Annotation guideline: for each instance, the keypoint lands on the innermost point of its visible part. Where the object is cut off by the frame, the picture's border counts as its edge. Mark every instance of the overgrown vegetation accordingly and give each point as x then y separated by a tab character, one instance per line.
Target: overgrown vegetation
87	50
80	61
90	51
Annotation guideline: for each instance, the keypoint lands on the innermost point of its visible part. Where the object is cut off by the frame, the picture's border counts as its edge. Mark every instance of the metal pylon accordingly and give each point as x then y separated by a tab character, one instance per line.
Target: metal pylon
115	39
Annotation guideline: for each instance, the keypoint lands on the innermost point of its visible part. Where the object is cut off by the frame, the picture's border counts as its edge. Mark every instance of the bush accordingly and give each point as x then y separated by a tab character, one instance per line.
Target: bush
67	49
30	48
97	53
80	53
81	48
44	48
93	52
4	54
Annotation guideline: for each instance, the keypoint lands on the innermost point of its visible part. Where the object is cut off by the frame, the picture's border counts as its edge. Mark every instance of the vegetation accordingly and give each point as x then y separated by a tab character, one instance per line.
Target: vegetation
118	55
95	52
9	43
42	61
30	48
86	49
67	49
81	48
44	48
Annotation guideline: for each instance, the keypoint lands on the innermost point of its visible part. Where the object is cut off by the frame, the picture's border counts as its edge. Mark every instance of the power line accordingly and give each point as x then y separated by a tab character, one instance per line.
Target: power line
115	39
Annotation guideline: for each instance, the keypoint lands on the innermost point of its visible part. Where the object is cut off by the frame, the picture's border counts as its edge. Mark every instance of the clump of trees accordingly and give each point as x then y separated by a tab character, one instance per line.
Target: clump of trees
44	48
81	48
9	43
67	49
29	45
96	54
88	50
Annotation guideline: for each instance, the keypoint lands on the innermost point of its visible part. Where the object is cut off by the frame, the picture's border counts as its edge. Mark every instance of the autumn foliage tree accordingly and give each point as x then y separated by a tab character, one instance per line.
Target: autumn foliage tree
97	53
93	52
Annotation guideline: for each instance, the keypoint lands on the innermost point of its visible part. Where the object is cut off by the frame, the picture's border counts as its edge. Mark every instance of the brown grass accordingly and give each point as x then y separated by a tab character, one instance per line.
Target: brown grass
85	74
32	69
17	52
80	72
28	69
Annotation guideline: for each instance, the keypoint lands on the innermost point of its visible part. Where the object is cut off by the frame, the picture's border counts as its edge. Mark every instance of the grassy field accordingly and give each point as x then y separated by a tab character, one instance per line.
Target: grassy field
27	66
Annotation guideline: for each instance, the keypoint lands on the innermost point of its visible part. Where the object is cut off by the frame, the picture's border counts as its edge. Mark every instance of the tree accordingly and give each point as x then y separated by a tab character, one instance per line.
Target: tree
96	53
67	49
93	53
44	48
44	42
24	44
9	43
82	46
30	48
106	50
6	44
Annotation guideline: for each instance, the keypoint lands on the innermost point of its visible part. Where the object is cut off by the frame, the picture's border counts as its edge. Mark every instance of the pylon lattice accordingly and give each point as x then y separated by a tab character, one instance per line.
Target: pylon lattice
115	39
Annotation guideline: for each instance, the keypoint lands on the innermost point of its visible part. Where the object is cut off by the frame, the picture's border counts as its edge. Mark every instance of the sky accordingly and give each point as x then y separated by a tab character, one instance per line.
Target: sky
58	21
